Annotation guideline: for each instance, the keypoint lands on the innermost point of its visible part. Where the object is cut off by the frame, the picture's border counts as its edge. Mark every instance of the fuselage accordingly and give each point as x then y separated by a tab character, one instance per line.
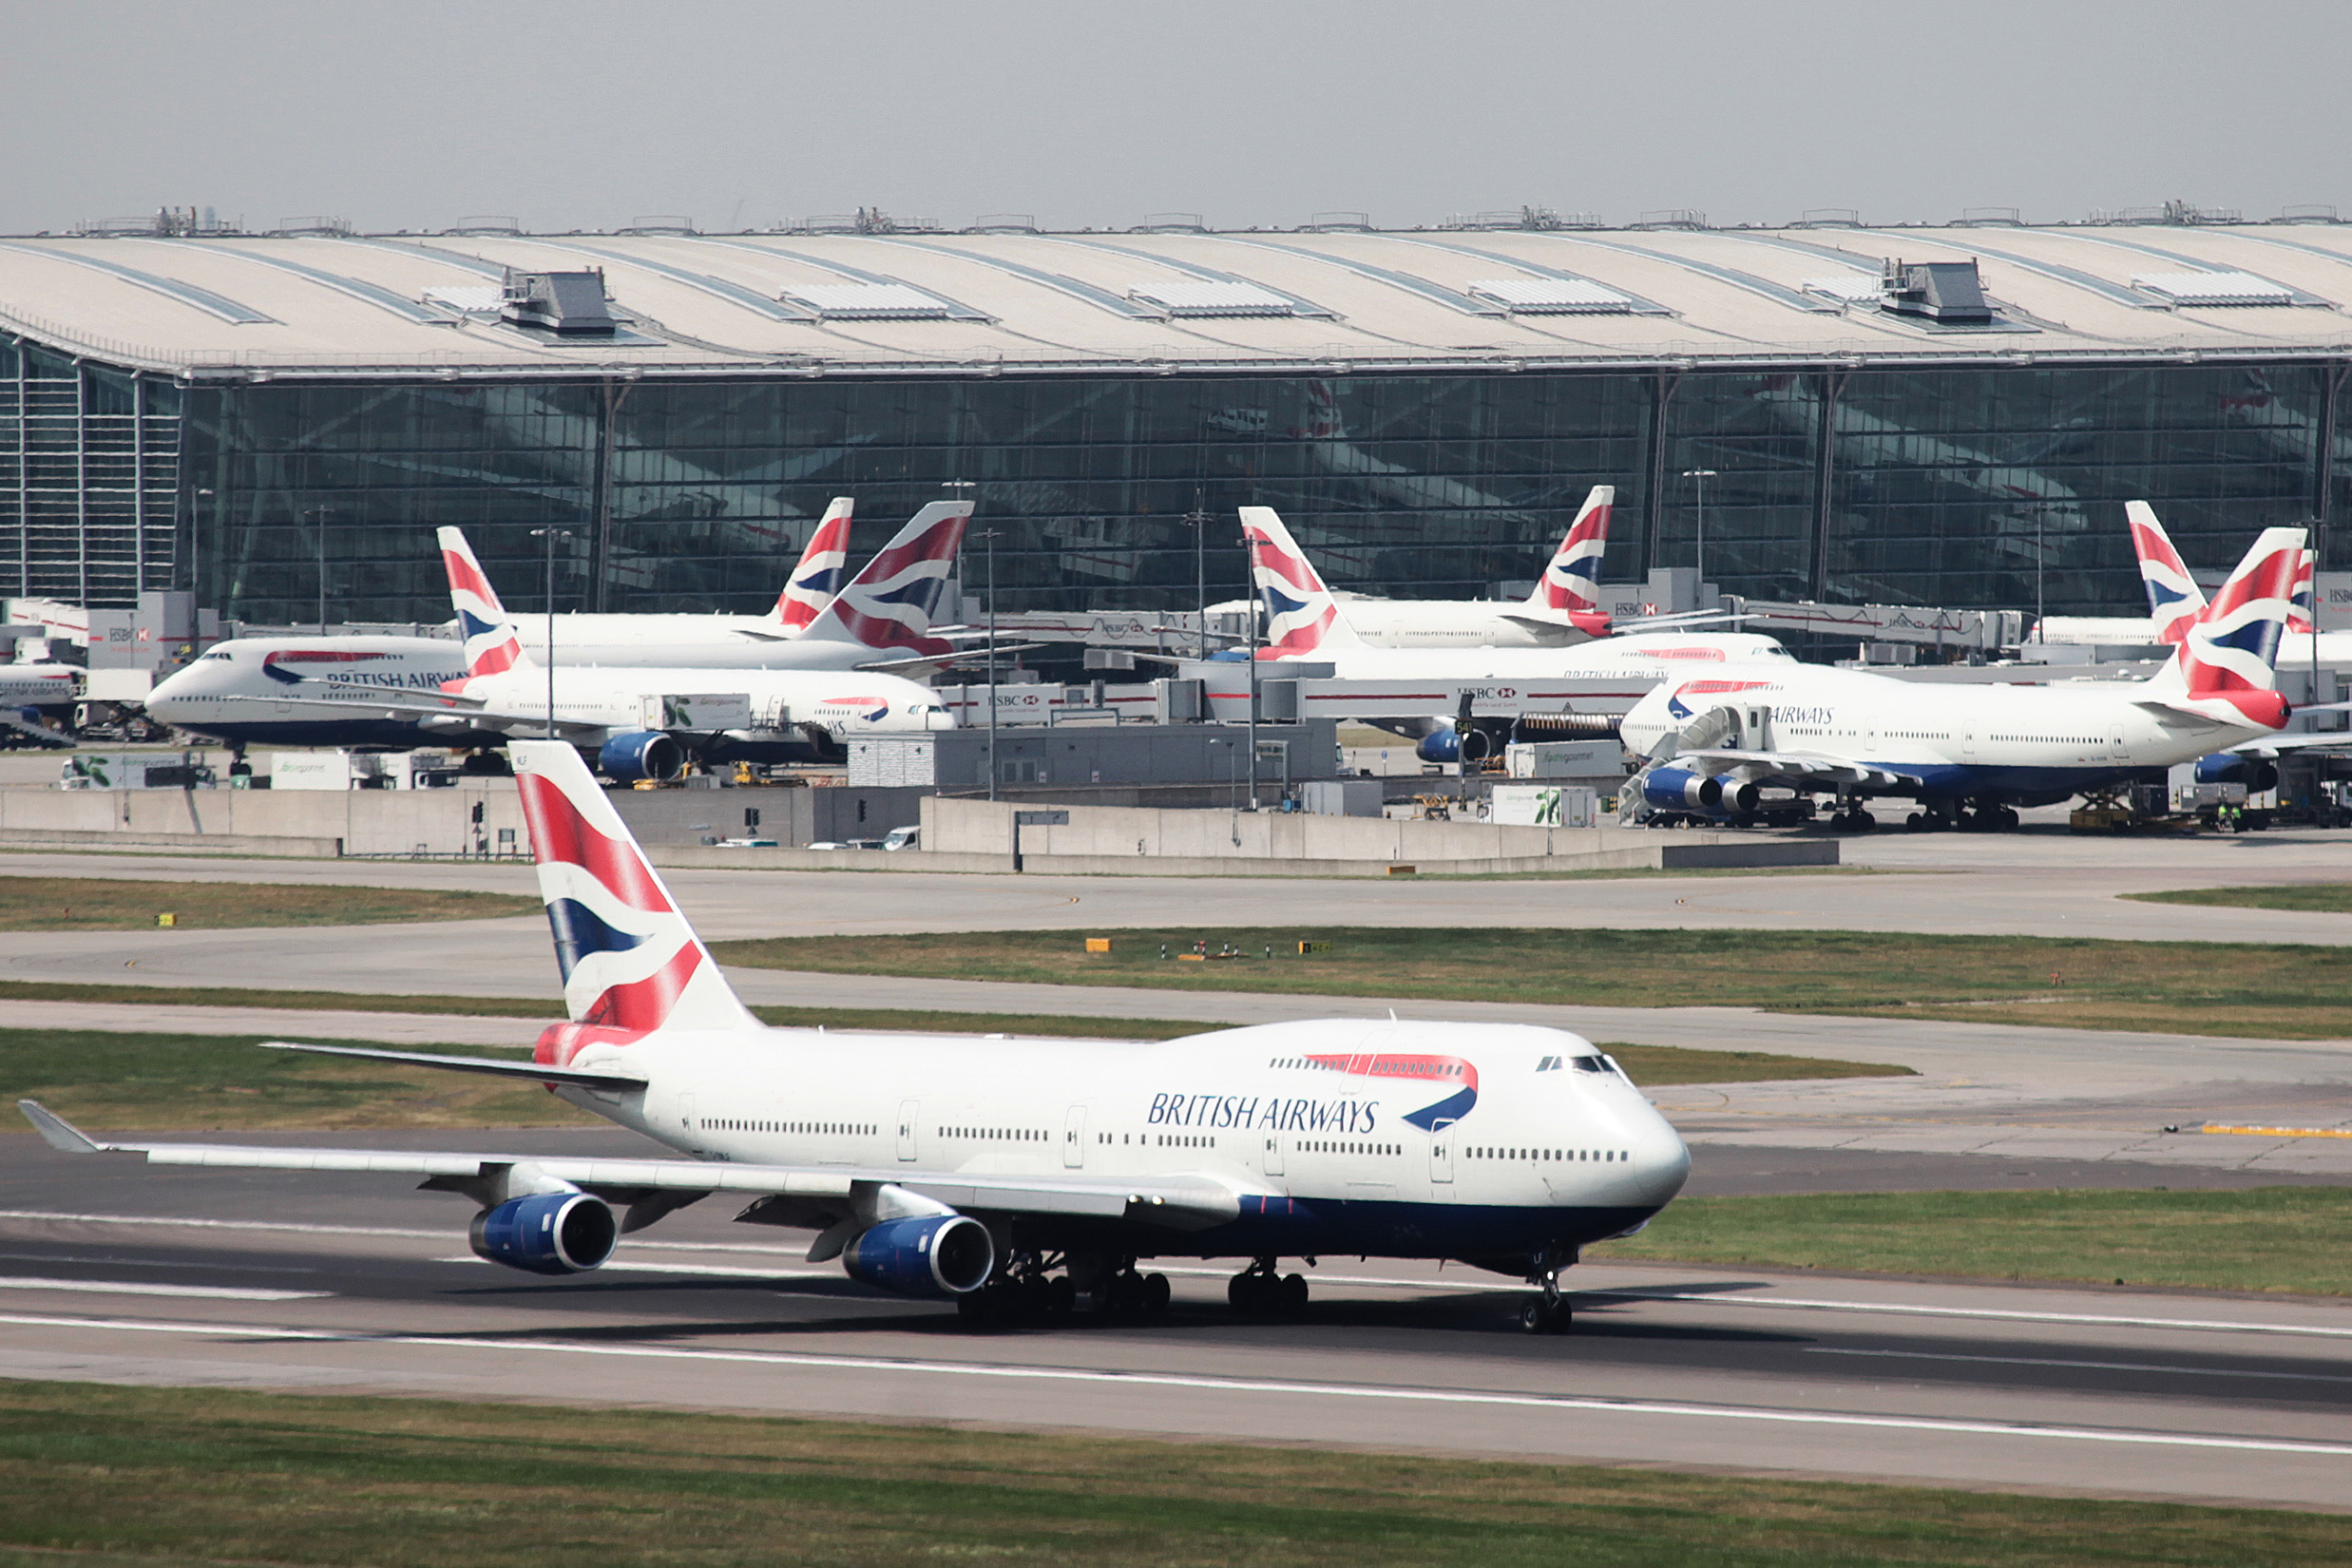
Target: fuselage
1660	654
1390	1139
841	702
1458	624
267	690
2023	744
38	685
694	642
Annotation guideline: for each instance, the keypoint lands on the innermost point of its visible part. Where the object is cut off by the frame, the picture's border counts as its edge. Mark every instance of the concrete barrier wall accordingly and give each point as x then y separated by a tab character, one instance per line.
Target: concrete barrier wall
366	821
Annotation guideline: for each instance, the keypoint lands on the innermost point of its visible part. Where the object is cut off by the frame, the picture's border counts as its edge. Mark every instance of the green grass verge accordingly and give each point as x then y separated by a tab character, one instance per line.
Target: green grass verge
101	904
2303	897
1656	1066
126	1083
2259	1238
2301	992
156	1476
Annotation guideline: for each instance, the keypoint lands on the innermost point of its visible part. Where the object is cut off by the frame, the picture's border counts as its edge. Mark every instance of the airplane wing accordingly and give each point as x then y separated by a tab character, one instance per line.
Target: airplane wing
453	712
495	1066
941	661
1178	1202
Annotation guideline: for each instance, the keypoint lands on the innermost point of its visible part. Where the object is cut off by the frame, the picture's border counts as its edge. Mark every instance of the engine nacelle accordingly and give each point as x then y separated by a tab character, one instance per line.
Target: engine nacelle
547	1234
2256	773
1440	745
924	1255
641	753
1733	793
1680	790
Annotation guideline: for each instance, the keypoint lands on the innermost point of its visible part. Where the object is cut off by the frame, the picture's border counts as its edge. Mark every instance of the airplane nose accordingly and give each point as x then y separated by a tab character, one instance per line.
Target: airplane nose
1661	1165
940	719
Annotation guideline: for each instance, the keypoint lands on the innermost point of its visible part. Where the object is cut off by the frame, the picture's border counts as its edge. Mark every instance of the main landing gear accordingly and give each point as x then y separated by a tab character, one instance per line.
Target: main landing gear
1549	1313
1261	1291
1028	1293
1984	816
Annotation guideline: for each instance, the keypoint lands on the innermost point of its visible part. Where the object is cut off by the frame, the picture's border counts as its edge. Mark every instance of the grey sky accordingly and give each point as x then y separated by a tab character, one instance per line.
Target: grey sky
589	113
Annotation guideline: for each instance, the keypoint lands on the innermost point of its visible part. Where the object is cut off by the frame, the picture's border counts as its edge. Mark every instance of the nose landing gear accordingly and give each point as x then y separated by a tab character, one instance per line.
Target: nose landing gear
1549	1313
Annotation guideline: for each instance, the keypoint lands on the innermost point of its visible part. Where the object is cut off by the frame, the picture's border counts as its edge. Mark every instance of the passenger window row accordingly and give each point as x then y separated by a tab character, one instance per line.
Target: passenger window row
847	1129
994	1134
1606	1155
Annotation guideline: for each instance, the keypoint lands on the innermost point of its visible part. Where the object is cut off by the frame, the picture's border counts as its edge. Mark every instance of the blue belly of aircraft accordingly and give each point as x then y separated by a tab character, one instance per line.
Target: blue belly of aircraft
1353	1227
1977	781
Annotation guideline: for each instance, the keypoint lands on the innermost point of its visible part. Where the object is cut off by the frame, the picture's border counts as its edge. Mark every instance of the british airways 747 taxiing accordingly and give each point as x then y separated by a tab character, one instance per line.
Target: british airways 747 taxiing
1012	1175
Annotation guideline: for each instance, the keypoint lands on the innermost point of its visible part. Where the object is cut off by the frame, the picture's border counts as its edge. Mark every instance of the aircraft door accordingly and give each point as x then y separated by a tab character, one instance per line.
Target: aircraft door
1442	1153
908	1111
1073	1139
1273	1153
686	1116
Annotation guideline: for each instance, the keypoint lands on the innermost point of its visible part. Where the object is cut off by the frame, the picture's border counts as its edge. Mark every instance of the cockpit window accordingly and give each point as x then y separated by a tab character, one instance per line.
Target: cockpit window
1590	1063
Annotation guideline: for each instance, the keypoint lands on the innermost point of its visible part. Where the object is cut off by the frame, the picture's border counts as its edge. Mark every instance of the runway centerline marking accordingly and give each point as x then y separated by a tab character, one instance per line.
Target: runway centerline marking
139	1287
1213	1384
2093	1366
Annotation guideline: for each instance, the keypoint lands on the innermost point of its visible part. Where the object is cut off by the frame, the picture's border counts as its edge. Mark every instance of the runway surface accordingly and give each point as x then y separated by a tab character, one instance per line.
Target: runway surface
350	1284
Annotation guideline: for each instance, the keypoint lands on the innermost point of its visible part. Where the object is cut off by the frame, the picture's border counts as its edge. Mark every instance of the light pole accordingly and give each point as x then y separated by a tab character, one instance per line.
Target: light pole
1200	521
987	537
319	526
1702	475
1248	566
547	654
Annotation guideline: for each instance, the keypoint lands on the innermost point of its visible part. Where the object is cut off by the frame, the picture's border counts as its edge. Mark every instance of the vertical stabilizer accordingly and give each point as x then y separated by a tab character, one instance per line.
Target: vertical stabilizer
889	604
630	961
2174	601
491	645
1302	618
2227	666
817	577
1570	588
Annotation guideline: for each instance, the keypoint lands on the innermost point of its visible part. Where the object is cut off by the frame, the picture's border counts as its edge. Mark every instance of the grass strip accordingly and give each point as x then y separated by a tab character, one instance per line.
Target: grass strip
2257	1238
2258	989
163	1475
1656	1066
143	1082
102	903
2303	897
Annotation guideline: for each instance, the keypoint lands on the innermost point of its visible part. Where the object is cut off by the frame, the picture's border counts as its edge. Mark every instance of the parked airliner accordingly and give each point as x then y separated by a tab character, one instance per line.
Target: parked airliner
1969	755
1012	1173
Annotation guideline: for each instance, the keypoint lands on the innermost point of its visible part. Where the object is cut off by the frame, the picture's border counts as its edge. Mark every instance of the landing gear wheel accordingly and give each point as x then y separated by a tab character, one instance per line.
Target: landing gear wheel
1154	1293
1862	821
1916	822
1257	1291
1544	1317
1060	1296
2008	819
976	1309
1291	1296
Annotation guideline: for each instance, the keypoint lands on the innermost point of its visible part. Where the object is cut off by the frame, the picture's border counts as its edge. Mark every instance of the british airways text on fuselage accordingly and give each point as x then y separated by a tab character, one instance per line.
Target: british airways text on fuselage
1267	1112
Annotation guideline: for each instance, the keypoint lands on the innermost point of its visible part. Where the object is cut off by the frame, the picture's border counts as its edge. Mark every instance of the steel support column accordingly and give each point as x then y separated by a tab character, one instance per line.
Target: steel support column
1662	388
1825	482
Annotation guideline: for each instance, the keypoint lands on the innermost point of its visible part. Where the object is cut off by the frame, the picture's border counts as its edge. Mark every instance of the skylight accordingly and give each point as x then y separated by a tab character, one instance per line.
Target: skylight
2213	288
867	301
1552	295
1208	297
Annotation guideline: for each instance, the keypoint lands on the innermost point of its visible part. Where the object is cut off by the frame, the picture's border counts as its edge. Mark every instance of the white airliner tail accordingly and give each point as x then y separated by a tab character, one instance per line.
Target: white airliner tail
1570	588
1302	618
492	645
2227	664
630	961
817	577
2174	601
889	604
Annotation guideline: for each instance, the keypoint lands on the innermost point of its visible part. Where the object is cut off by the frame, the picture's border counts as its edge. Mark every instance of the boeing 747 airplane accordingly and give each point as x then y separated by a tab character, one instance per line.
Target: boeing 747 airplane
1009	1175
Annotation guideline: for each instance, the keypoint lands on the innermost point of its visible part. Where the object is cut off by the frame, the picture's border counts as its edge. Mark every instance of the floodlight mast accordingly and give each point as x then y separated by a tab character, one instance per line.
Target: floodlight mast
547	654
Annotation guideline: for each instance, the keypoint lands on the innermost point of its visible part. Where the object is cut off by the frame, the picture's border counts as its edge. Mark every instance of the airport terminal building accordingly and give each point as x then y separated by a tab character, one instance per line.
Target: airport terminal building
1948	415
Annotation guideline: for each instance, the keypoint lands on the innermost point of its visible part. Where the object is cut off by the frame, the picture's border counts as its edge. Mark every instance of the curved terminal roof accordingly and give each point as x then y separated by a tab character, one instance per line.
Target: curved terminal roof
1067	304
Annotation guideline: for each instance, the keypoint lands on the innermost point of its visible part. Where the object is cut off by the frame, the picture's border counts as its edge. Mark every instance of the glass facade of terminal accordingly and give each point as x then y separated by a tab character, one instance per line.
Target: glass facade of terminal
1961	486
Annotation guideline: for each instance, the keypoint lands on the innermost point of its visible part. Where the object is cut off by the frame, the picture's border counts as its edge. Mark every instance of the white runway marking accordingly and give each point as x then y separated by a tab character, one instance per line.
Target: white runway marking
719	1271
1218	1385
2001	1313
228	1224
126	1288
2093	1366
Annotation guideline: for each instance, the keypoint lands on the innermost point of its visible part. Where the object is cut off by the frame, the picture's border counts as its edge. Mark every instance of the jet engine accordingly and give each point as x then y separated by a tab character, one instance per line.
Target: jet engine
2256	773
1680	790
1453	743
547	1234
924	1255
641	753
1734	794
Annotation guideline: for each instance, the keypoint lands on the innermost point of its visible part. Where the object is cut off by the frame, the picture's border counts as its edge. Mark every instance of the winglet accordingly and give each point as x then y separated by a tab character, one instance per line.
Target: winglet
57	1132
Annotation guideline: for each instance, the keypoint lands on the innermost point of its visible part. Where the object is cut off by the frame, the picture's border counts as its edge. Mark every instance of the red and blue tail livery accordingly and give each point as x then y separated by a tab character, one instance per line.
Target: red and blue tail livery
817	578
889	604
1570	588
1301	615
491	645
629	960
2227	664
2174	601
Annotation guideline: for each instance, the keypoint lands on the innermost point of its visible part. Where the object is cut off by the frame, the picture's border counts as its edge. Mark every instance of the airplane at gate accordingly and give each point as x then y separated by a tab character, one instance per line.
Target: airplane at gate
1968	754
1010	1174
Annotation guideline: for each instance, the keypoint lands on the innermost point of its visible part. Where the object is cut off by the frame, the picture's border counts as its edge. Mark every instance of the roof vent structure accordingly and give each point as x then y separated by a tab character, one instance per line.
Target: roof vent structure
1208	297
1551	296
1947	292
570	304
868	302
2213	288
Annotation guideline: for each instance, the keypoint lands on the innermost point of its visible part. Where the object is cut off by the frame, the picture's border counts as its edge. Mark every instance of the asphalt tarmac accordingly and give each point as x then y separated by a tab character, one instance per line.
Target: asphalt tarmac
112	1272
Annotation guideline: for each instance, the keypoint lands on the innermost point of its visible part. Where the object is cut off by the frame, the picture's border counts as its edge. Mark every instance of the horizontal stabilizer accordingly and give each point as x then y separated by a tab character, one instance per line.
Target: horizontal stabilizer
495	1066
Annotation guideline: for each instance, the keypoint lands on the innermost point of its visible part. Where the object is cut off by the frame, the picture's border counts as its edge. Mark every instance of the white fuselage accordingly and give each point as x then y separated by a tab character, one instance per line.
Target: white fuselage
1658	656
40	685
1481	1158
1456	623
1952	740
692	641
613	695
265	690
